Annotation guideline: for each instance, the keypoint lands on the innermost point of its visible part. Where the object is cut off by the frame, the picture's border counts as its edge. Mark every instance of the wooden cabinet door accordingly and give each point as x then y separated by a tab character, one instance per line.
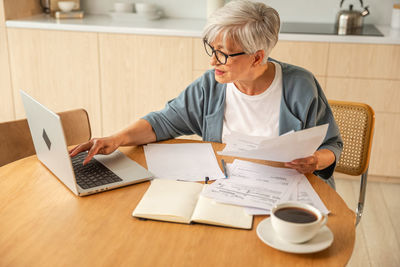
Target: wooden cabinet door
139	74
59	68
383	96
386	146
2	20
6	105
201	61
312	56
369	61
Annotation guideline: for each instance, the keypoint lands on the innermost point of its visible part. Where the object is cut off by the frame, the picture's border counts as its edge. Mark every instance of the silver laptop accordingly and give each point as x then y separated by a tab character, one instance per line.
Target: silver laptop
104	172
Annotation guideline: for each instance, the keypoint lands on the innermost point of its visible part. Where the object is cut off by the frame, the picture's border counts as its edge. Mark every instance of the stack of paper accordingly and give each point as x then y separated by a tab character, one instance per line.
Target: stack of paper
186	162
284	148
259	188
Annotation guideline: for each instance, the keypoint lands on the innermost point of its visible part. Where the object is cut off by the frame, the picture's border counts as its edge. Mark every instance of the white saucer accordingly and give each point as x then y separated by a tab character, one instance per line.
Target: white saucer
321	241
126	17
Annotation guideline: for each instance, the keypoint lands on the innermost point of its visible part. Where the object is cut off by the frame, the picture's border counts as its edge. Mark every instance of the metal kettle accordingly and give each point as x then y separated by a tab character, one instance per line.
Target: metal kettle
350	21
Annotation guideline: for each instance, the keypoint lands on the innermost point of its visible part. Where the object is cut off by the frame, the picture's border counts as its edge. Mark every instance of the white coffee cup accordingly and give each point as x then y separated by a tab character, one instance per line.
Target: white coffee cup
123	7
286	217
67	6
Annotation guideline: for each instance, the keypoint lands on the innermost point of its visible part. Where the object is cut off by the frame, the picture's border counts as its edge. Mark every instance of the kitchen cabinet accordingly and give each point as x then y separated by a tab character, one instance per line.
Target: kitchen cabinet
60	69
364	61
139	74
201	61
371	74
383	96
309	55
7	106
2	20
386	146
119	78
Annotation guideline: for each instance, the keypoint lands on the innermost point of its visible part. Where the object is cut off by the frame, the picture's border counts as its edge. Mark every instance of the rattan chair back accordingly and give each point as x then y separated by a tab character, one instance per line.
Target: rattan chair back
356	125
16	140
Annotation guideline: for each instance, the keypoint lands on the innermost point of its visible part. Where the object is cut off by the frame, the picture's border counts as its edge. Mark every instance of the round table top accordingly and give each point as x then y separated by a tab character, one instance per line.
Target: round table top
42	223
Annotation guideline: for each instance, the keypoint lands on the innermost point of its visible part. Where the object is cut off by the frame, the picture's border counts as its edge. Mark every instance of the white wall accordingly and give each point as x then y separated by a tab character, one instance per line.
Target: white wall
289	10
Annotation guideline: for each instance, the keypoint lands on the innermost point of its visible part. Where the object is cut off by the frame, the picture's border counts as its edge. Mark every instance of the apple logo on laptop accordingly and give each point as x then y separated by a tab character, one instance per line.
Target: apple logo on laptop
46	139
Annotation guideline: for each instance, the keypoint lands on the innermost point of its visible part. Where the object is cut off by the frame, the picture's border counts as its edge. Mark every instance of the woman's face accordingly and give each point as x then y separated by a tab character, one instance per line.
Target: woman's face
236	68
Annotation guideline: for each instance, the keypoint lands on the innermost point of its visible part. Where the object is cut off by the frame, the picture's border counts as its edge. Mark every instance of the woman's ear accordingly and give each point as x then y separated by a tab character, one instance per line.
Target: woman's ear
258	57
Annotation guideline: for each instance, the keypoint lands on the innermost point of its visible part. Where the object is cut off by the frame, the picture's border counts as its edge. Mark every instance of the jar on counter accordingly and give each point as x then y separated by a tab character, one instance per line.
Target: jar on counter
396	16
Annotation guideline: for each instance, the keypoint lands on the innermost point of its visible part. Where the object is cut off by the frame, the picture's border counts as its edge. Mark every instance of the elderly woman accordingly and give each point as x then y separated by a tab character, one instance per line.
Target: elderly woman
245	92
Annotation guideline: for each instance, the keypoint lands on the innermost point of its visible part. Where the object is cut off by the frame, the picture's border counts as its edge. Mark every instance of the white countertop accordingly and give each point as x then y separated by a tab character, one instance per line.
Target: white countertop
178	27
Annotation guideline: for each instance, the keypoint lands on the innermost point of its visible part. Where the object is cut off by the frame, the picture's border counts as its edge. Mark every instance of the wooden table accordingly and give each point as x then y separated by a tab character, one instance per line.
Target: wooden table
43	224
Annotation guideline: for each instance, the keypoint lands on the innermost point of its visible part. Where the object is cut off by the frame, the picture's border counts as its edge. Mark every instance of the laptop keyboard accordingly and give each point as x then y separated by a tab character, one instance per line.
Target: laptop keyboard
92	174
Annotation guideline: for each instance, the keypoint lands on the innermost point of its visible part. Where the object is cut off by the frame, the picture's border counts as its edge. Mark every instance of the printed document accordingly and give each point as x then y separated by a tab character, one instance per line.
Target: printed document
305	193
186	162
246	192
284	148
295	185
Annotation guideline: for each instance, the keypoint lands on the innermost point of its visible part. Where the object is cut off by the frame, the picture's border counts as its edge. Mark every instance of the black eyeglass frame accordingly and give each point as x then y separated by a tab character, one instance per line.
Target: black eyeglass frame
226	56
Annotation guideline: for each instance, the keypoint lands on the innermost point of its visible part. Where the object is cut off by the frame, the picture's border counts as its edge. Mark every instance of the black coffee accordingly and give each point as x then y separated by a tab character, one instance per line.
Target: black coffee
296	215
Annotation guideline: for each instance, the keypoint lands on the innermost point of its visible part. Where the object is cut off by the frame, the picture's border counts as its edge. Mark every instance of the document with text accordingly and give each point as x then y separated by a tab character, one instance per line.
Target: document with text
246	192
305	193
275	184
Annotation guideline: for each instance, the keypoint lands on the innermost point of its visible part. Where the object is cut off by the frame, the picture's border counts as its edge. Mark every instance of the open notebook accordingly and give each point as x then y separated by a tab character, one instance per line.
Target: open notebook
181	202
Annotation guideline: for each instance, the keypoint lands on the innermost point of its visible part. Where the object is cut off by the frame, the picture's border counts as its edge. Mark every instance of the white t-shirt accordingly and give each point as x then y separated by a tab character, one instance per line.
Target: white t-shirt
254	115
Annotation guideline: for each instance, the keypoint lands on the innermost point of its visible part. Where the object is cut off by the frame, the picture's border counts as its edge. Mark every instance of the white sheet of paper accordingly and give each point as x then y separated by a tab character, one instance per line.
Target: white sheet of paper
284	176
236	141
255	211
306	194
244	192
243	168
284	148
187	162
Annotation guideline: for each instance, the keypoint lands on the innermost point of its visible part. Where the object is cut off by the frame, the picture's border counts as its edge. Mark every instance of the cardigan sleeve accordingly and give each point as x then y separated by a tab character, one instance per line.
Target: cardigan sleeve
307	102
319	112
181	115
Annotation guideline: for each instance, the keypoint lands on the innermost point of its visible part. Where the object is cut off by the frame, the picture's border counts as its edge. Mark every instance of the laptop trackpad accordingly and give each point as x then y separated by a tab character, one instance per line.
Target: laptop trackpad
123	166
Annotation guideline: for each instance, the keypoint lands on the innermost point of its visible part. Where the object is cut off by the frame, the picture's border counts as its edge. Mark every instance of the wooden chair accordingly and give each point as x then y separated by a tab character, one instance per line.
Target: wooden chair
356	124
16	140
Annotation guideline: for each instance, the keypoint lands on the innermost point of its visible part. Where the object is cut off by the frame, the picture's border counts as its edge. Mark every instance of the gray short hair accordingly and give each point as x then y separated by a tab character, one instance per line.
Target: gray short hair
253	25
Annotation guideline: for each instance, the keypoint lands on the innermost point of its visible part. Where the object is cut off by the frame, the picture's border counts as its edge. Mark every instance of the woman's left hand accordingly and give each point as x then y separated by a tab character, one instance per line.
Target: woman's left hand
304	165
320	160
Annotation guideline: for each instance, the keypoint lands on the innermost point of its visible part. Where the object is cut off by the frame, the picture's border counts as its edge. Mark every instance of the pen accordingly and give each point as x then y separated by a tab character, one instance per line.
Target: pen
224	167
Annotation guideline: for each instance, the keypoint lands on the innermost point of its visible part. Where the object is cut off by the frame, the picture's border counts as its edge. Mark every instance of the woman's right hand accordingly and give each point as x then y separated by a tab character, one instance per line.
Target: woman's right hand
105	145
139	133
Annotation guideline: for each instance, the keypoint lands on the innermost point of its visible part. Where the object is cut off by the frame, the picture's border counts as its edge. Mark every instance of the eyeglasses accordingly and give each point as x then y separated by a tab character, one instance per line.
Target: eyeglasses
219	55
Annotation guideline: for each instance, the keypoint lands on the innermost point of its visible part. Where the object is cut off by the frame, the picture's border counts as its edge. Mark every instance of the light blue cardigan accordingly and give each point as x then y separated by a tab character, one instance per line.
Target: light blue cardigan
199	109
